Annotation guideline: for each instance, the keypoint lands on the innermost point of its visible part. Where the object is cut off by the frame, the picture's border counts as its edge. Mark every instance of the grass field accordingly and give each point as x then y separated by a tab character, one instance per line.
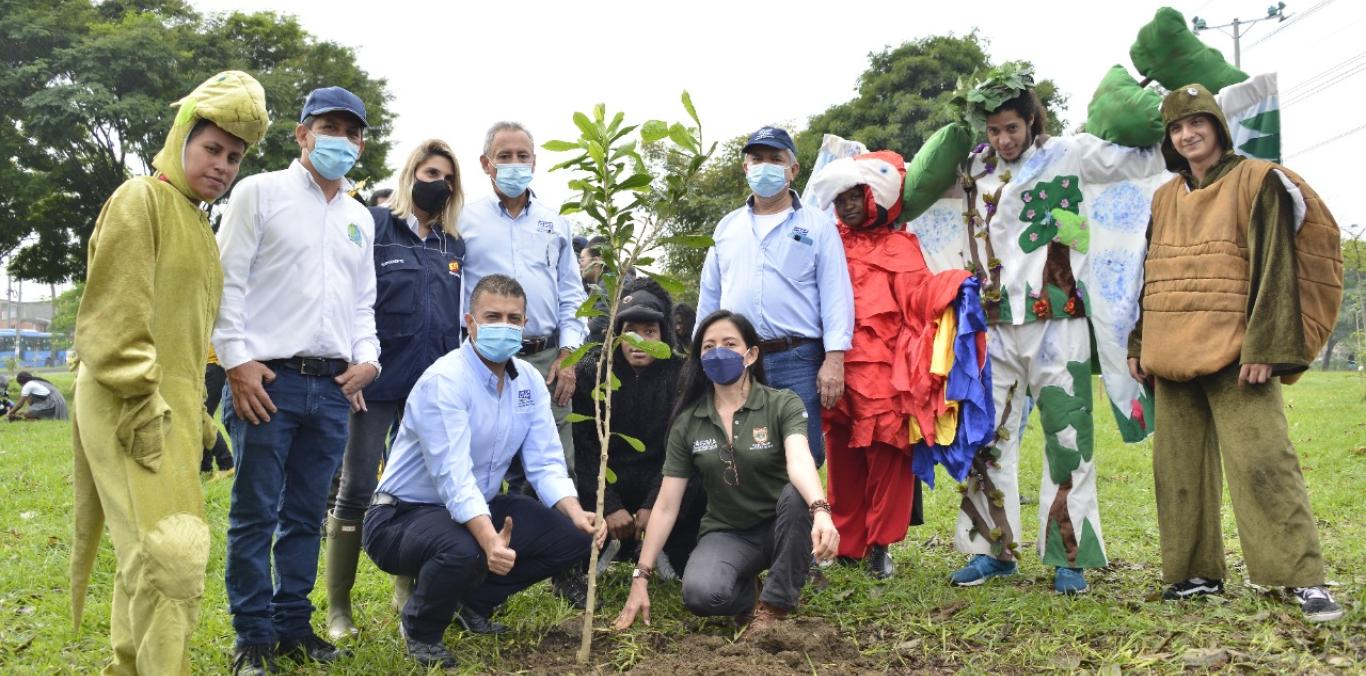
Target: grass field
914	622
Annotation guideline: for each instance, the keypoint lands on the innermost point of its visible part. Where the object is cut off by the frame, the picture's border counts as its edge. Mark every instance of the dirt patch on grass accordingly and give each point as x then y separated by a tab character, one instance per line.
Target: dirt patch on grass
799	645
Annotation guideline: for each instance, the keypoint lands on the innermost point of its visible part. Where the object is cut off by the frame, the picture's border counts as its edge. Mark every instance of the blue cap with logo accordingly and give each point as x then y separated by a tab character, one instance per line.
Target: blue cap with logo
332	99
772	137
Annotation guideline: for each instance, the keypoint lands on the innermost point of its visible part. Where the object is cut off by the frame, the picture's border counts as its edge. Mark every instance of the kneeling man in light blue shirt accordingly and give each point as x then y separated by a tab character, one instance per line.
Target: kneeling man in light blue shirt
437	514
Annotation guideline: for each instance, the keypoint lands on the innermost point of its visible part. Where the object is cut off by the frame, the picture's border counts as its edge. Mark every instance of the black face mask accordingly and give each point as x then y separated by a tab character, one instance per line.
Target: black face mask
431	196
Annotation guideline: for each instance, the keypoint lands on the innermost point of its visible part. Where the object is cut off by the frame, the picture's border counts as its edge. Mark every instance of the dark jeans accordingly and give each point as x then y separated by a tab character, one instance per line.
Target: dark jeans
214	380
280	494
424	542
795	370
364	449
721	576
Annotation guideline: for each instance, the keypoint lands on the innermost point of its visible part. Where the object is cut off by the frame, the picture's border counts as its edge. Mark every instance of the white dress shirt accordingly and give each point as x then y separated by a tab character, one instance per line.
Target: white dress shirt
298	273
536	249
459	434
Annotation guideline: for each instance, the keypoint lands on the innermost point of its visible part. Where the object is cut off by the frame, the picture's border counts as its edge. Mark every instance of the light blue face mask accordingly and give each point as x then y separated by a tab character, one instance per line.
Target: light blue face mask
513	179
332	156
767	180
498	342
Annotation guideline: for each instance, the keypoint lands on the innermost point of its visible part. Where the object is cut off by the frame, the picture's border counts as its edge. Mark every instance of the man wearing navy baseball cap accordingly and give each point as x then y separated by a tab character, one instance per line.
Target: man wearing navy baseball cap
782	267
296	333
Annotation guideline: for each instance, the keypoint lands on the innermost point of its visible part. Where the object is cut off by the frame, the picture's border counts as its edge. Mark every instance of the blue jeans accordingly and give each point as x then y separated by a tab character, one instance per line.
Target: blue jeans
795	370
284	470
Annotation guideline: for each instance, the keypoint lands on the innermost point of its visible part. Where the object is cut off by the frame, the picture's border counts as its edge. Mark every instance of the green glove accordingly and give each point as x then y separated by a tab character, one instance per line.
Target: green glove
1123	112
1072	230
1167	51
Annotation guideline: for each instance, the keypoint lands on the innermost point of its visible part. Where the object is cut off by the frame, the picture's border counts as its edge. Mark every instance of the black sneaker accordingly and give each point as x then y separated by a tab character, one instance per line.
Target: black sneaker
254	659
430	654
1196	586
880	563
1318	605
310	648
475	623
572	586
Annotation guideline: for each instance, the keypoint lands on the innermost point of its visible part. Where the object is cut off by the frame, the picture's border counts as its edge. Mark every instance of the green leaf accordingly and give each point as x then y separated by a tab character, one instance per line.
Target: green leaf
589	306
611	476
616	122
654	348
637	182
585	126
687	105
600	112
596	152
654	130
631	441
673	286
688	241
560	146
573	357
682	136
577	418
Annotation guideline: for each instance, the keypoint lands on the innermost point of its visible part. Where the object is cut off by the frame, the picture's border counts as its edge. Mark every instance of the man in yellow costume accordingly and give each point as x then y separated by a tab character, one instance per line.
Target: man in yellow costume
152	291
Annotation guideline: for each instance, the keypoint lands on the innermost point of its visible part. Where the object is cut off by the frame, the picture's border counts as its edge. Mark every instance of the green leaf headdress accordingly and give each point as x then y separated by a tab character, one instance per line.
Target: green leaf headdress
982	94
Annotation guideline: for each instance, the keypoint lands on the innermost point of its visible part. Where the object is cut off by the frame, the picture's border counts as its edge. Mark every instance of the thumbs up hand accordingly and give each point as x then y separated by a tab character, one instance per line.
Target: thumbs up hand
500	555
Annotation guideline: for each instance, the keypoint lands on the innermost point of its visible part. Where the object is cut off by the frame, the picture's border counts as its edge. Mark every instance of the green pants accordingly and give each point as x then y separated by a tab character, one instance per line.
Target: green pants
1212	421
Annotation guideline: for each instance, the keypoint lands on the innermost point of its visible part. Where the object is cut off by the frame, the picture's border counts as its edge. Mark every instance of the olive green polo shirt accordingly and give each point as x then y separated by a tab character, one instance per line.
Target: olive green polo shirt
697	442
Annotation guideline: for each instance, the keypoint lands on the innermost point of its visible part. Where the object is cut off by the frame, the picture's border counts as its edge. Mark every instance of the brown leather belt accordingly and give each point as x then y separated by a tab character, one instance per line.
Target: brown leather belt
783	344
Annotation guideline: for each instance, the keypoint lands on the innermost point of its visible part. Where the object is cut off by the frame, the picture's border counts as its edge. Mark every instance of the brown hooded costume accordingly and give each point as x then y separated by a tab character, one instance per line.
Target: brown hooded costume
1241	264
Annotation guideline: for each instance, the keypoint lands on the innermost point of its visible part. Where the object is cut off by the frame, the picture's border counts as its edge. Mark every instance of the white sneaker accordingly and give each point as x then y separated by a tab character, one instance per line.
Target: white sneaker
1318	605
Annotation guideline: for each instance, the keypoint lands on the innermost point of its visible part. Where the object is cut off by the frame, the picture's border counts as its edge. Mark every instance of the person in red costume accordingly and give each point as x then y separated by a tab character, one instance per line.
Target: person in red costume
872	487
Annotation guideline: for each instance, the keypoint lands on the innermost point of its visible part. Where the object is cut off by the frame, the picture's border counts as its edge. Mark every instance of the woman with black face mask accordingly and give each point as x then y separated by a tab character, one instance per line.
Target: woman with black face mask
766	509
418	256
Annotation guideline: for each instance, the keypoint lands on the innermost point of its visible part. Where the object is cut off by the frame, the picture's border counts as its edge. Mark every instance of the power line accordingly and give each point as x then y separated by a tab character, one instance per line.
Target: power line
1292	21
1314	79
1335	81
1323	143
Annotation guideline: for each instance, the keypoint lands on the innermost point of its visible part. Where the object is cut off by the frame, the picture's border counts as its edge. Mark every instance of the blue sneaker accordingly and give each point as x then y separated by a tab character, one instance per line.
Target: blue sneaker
980	569
1069	581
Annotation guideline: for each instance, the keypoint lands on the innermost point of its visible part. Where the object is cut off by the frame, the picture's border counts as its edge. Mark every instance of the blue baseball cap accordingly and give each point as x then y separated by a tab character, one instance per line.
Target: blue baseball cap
331	99
772	137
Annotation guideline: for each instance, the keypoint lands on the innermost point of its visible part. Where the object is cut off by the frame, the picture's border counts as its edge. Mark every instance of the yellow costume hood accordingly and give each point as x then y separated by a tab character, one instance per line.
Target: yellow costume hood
233	100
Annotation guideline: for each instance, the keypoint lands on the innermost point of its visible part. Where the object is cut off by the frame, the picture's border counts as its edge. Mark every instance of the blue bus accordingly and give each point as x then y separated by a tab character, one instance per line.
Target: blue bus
36	346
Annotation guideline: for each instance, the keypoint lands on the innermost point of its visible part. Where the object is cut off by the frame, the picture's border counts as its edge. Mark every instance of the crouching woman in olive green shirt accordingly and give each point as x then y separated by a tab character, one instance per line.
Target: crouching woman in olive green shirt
766	509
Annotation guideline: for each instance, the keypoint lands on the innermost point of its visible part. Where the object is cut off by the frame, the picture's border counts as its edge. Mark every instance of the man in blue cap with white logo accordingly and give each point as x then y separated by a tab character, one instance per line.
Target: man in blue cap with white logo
782	266
296	334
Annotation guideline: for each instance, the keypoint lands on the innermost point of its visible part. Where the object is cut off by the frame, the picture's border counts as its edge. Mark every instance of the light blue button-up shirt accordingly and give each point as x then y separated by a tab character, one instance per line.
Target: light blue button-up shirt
792	282
536	249
459	436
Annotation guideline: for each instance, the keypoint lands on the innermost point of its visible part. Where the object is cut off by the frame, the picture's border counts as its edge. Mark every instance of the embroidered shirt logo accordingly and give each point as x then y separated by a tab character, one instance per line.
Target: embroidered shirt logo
395	261
704	445
454	268
353	233
523	399
761	438
802	235
545	226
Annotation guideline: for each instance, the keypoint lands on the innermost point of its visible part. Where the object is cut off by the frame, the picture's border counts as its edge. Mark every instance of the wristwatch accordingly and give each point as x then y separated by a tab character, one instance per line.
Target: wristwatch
642	573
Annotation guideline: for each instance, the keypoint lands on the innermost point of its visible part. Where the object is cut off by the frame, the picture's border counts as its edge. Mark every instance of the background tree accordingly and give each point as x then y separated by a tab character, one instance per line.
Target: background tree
1352	314
88	90
902	99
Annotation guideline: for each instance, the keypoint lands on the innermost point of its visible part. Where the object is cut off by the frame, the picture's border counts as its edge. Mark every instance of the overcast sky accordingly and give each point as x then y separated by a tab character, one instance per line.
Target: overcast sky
454	68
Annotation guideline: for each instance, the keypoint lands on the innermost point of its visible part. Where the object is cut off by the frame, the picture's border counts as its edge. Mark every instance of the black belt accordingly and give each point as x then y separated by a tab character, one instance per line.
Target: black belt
312	366
533	345
783	344
383	500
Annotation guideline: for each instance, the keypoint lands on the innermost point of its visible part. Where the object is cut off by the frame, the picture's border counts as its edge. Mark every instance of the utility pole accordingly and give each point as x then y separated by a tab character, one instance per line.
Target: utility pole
1240	28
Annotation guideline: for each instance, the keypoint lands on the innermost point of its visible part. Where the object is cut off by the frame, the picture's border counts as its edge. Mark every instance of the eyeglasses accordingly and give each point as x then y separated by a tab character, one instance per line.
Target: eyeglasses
730	474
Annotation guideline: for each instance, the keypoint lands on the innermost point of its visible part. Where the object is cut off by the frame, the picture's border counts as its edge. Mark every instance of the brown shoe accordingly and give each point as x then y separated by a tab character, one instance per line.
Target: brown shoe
743	619
765	616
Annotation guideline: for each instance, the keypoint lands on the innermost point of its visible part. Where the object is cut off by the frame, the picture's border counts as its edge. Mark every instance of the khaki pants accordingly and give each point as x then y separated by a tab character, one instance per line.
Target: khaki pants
1208	422
542	361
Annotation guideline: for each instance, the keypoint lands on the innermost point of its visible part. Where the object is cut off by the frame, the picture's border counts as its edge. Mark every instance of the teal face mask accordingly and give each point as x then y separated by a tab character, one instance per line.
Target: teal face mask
498	342
512	179
333	156
767	180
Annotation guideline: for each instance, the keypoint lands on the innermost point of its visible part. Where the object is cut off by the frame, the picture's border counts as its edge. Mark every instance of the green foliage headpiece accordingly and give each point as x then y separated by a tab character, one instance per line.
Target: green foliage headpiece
984	94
